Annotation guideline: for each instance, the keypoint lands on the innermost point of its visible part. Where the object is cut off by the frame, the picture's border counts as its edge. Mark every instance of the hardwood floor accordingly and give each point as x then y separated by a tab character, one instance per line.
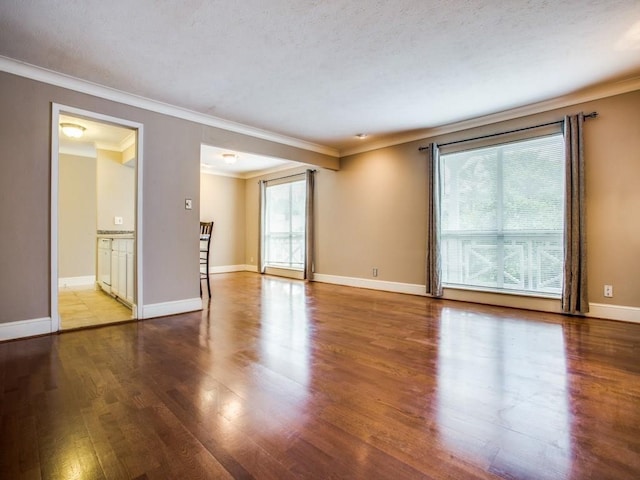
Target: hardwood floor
278	379
88	306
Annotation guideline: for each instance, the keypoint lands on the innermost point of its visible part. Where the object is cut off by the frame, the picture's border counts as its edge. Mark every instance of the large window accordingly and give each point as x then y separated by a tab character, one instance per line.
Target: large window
502	216
284	226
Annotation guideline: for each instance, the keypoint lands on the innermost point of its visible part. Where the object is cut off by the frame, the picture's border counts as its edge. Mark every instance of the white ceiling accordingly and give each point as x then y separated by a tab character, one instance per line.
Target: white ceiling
96	135
246	166
323	71
107	136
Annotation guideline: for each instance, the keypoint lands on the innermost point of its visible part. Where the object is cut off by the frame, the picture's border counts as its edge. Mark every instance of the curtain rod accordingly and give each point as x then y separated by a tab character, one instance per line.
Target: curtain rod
589	115
287	176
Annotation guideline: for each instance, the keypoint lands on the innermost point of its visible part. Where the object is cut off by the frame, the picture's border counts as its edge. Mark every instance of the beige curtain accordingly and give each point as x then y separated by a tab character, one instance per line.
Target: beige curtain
309	230
261	208
574	288
434	280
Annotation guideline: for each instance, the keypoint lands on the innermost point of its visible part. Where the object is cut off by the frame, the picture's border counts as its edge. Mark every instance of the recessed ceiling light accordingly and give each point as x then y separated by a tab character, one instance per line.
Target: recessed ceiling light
72	130
361	136
230	158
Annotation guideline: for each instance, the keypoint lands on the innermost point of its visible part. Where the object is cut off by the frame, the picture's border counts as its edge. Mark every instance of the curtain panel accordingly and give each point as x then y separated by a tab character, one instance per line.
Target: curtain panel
434	269
309	227
261	219
574	287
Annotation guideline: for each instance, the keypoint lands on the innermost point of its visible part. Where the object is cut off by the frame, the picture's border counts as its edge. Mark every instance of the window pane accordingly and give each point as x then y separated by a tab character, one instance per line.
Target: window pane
534	184
502	216
469	193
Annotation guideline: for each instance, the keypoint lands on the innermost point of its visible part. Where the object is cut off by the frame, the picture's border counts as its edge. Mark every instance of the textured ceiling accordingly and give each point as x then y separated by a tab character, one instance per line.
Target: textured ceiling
322	71
245	166
102	135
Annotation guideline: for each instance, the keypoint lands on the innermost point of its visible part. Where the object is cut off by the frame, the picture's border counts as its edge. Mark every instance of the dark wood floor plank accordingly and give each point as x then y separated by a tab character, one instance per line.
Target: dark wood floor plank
281	379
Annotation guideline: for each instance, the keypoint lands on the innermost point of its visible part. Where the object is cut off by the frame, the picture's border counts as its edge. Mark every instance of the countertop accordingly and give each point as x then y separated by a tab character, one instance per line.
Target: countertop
115	234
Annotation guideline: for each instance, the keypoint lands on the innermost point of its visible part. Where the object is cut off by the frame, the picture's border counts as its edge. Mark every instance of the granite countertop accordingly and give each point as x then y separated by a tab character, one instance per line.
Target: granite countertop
115	234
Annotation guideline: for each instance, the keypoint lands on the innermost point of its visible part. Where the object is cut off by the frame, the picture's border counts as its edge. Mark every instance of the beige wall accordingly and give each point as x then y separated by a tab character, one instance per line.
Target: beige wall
372	212
171	173
77	216
222	200
613	199
116	191
252	215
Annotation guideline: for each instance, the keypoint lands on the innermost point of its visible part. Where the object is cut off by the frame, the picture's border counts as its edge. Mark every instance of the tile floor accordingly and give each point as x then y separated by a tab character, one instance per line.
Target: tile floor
89	306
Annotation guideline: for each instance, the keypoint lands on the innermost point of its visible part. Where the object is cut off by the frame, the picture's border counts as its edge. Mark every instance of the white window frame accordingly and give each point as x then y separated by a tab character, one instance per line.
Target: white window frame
554	293
289	270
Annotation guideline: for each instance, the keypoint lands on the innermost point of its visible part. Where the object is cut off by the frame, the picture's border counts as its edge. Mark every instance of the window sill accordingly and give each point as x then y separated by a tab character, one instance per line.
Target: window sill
516	293
522	300
285	272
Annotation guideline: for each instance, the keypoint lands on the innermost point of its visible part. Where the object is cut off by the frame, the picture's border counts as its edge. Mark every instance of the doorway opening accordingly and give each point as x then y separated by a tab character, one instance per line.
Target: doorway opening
95	219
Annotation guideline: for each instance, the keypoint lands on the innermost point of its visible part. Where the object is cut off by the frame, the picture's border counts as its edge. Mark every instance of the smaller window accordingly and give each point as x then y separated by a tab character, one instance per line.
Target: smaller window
284	232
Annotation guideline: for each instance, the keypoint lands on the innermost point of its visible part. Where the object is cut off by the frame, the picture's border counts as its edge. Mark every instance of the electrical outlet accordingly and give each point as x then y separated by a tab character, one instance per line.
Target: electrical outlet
375	272
117	220
608	291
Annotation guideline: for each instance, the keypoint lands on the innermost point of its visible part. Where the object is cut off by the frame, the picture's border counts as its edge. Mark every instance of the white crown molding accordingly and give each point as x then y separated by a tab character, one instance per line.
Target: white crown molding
51	77
587	95
209	170
112	147
268	171
127	142
78	149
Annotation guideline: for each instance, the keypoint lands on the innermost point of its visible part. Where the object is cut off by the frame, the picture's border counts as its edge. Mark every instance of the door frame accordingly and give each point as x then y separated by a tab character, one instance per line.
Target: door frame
56	110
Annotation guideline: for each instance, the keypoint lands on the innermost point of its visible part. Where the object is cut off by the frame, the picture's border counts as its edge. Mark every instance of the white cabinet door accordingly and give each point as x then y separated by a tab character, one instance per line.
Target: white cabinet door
123	269
104	264
130	272
115	278
122	272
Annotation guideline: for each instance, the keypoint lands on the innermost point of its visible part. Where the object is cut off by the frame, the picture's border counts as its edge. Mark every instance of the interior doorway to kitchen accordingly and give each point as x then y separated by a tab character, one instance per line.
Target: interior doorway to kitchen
96	172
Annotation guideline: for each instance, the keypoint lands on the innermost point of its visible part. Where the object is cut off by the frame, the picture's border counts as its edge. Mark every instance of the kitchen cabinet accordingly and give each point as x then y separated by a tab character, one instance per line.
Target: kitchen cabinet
104	264
121	261
129	291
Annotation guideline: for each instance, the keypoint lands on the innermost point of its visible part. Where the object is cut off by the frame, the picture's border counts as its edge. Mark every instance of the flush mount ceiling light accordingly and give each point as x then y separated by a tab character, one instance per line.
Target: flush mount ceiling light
72	130
361	136
230	158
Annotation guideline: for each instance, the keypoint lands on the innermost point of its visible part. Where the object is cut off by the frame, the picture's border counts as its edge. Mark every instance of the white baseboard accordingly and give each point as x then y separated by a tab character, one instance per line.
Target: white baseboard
614	312
597	310
285	272
510	300
230	268
409	288
171	308
77	281
25	328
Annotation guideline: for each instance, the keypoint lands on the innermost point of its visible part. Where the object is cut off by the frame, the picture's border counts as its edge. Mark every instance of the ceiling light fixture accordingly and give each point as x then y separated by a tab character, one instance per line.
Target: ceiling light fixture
230	158
361	136
72	130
